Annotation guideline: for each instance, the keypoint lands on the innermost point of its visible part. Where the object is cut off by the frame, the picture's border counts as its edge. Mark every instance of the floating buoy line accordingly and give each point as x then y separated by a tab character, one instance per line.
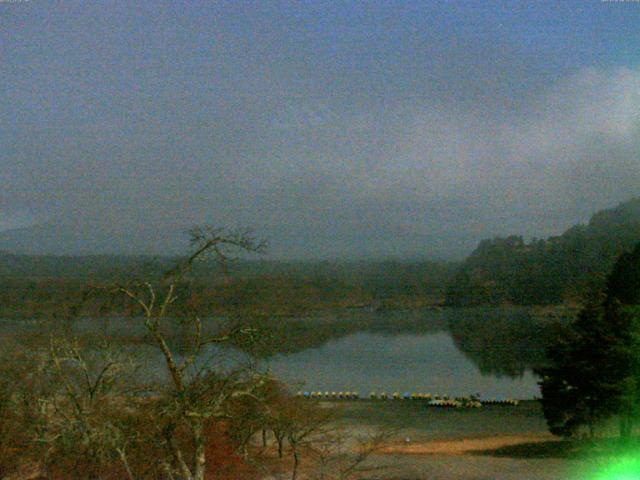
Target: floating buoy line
442	401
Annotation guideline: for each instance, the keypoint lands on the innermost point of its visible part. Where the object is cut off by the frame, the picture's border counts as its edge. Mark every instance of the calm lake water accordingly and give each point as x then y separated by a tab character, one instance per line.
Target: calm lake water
405	362
490	352
483	351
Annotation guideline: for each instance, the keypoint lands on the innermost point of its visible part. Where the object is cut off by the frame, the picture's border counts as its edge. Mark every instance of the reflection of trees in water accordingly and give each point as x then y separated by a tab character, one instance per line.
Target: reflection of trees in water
499	341
279	334
502	342
295	335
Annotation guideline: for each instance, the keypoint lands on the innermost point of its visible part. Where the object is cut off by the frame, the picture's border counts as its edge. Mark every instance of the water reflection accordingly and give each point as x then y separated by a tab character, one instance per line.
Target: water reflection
486	351
454	351
405	362
502	342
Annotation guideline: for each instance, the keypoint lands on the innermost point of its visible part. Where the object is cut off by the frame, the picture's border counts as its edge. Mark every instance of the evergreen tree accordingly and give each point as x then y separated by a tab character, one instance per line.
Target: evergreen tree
594	365
580	385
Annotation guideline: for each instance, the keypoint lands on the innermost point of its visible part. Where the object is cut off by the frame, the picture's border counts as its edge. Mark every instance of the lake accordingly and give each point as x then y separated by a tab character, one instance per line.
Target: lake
490	352
405	363
486	351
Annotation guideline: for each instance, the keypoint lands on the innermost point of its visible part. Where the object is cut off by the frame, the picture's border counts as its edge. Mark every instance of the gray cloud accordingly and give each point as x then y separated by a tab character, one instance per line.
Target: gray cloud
403	141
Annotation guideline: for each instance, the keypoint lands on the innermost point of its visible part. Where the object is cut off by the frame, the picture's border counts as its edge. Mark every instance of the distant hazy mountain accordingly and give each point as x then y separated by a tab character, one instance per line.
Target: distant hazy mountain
65	239
562	268
311	242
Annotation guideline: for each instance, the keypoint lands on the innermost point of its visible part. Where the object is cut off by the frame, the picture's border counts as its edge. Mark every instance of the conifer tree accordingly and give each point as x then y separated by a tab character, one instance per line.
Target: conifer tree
594	365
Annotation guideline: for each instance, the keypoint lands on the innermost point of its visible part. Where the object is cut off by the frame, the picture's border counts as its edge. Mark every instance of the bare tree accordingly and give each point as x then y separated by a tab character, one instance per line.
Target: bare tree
197	394
87	411
19	385
313	433
298	422
341	456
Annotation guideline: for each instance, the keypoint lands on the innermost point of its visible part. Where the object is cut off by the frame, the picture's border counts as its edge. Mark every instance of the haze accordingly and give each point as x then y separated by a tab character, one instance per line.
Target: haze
334	129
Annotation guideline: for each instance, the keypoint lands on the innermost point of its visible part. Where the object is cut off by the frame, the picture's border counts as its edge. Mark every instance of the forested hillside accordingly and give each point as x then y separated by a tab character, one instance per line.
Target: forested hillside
33	286
559	269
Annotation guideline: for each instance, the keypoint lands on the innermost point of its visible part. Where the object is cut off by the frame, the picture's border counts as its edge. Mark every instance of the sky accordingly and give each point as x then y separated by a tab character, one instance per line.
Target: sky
333	129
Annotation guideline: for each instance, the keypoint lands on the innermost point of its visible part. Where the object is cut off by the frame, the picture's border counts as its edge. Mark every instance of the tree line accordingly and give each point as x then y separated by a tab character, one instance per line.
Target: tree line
36	286
542	272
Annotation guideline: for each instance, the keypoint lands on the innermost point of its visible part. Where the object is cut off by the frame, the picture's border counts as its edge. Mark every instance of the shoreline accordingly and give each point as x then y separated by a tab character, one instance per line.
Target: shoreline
466	444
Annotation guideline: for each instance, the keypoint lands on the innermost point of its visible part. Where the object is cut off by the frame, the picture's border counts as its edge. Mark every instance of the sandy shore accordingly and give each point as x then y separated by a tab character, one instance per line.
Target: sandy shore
463	445
491	443
472	459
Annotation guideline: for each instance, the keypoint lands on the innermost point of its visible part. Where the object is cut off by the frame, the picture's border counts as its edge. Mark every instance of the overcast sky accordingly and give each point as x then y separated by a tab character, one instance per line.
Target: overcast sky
334	129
